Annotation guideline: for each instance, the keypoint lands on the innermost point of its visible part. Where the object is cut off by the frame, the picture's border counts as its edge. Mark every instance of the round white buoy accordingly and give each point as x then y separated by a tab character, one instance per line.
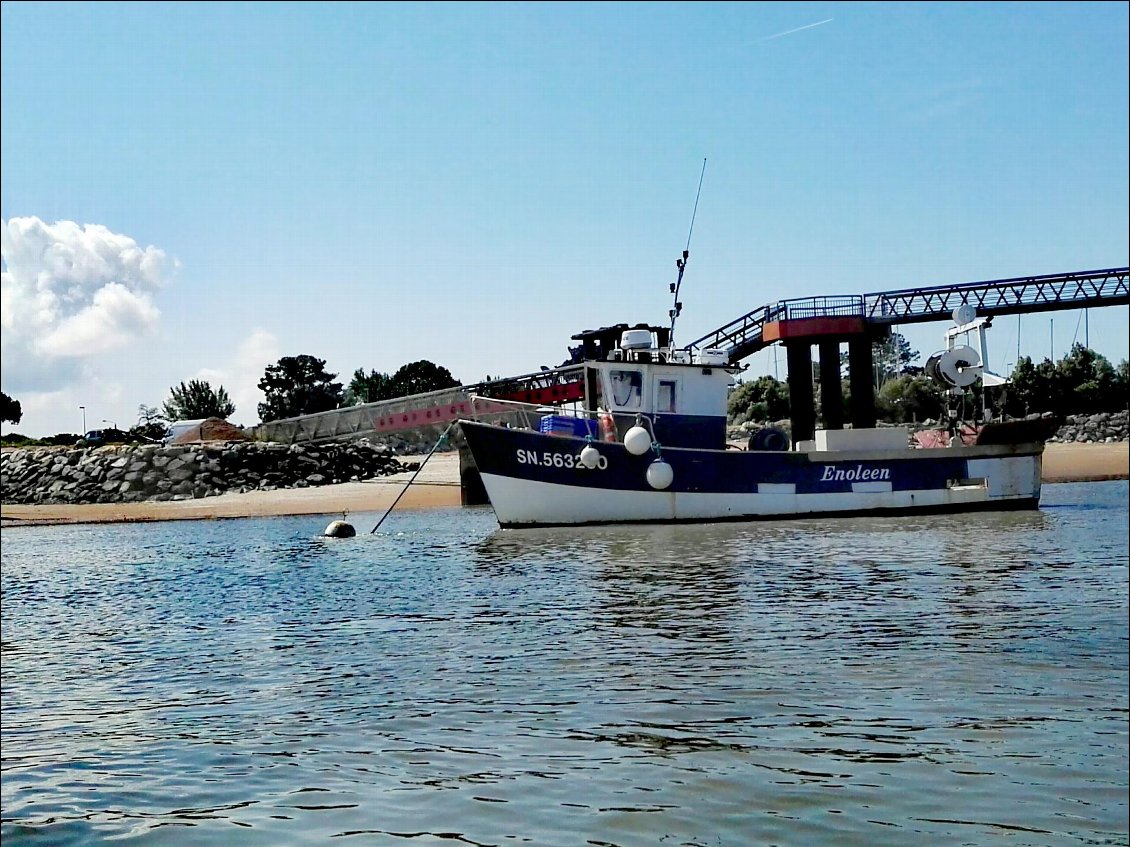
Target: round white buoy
659	474
590	456
637	440
340	529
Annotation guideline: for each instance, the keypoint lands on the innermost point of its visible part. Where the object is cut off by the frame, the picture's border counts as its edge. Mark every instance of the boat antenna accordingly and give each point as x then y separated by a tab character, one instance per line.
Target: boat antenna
681	264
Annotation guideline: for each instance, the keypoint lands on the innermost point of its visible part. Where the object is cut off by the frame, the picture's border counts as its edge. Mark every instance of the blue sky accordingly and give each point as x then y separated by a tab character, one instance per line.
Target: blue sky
191	191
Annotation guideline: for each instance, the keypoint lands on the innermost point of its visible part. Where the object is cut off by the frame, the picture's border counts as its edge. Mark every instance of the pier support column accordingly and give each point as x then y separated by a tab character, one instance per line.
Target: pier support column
862	362
831	392
802	403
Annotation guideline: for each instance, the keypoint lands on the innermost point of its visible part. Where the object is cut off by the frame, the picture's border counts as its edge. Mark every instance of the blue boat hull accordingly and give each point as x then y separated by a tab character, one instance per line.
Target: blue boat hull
535	479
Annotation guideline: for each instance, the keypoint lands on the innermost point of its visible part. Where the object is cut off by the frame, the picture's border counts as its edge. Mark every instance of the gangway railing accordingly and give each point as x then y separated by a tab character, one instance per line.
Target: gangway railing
849	305
1001	297
516	413
1107	287
550	387
740	337
382	418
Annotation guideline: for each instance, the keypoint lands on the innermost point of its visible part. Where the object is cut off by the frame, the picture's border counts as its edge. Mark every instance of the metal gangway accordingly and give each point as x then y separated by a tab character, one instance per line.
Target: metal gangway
1083	289
429	411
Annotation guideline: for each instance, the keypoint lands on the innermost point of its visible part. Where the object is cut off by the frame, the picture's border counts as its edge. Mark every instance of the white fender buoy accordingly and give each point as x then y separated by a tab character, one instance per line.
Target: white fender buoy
637	440
340	529
659	474
590	456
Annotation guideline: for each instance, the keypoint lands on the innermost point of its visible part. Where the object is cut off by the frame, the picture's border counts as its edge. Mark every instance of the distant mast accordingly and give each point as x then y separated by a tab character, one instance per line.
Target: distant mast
681	264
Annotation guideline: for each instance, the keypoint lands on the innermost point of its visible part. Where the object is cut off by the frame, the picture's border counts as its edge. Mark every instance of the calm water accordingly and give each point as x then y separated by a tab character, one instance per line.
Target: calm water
937	681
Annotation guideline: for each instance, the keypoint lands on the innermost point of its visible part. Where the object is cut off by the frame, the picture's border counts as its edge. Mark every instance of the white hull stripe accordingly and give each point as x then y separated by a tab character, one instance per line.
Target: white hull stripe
520	501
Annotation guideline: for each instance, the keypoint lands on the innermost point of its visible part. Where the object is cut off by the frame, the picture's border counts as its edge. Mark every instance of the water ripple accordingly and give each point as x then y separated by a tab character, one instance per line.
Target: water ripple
857	682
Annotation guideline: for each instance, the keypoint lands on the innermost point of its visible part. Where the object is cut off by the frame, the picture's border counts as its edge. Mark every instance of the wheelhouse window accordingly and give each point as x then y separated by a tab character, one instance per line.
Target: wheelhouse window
665	392
627	388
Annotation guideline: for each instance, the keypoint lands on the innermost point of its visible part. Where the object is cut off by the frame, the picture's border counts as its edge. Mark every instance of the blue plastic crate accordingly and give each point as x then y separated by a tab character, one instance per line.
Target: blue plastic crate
566	425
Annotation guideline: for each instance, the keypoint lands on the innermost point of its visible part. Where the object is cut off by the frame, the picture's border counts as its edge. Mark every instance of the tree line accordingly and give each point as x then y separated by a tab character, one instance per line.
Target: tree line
293	386
1082	382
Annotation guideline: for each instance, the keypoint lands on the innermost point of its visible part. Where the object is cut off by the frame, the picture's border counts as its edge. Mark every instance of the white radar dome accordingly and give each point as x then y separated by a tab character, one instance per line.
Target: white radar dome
963	314
635	339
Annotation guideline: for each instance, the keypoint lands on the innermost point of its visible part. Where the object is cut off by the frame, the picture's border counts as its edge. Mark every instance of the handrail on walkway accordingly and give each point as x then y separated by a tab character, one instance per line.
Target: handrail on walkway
1079	289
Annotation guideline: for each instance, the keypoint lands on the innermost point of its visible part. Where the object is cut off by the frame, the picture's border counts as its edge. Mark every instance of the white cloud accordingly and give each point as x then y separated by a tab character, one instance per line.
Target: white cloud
70	292
94	398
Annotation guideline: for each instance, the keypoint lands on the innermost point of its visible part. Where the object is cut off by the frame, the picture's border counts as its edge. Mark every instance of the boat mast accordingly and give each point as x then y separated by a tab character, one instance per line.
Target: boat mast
681	264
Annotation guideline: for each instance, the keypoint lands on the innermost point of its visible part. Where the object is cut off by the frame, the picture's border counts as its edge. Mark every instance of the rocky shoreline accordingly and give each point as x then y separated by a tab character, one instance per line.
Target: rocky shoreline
133	474
1103	428
152	473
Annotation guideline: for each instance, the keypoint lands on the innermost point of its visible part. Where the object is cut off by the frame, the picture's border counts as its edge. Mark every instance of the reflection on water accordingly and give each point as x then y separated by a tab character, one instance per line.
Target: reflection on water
882	681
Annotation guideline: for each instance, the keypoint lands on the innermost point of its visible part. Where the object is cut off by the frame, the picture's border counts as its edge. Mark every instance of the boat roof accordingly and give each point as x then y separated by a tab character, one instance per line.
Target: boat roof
598	343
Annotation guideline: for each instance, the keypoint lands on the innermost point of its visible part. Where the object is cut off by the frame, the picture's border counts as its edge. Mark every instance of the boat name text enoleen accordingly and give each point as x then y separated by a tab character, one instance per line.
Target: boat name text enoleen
856	474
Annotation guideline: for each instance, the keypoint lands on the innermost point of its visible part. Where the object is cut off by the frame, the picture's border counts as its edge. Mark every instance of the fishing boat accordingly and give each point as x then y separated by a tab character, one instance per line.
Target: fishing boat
647	442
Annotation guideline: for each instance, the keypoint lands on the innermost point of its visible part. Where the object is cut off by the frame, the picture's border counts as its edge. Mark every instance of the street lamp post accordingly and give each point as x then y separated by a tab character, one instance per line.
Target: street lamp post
111	423
83	408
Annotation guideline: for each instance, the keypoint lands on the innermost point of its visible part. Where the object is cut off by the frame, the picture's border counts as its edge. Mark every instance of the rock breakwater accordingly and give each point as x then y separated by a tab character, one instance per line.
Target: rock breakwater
1101	428
130	474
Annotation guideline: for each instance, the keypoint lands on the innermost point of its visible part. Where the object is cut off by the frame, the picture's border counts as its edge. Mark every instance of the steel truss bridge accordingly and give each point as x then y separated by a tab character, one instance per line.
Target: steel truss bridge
1083	289
753	331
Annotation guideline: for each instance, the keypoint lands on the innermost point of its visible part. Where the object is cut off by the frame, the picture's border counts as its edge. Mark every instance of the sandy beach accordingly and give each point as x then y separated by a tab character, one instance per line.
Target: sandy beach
437	484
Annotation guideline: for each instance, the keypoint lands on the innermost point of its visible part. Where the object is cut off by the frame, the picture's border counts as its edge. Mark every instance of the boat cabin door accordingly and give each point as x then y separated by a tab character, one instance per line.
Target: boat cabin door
666	395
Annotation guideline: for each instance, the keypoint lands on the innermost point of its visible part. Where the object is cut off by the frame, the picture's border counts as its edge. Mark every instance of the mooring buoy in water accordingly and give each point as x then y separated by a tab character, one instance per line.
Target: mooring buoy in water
340	529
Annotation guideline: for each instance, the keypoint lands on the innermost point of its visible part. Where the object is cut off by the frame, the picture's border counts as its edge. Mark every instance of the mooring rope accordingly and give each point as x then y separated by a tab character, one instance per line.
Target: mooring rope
435	447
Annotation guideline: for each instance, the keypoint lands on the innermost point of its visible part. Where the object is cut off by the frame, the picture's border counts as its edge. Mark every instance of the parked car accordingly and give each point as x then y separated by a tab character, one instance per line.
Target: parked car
94	438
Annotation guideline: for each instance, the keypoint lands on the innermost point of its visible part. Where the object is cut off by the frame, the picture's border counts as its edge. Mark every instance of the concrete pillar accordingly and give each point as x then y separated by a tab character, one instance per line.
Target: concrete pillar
831	391
862	362
802	403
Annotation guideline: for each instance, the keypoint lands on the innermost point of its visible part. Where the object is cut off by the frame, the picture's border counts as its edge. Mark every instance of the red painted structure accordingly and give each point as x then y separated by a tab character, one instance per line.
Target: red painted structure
813	328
